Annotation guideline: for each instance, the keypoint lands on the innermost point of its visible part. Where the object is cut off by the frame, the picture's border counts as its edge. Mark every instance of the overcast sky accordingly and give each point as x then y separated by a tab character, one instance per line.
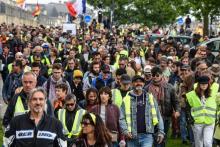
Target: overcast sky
43	1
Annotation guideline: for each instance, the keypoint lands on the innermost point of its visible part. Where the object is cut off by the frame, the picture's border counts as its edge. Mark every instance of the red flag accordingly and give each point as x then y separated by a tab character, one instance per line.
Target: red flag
71	9
37	10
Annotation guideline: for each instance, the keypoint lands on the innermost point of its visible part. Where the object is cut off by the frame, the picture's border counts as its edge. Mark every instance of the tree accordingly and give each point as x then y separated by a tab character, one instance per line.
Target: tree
202	9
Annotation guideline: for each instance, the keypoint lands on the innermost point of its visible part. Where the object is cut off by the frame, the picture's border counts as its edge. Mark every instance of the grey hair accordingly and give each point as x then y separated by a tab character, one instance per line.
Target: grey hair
38	89
70	96
29	73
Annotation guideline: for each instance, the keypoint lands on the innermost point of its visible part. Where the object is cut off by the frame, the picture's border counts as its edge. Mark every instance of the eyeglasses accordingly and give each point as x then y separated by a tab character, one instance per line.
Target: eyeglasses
155	75
70	105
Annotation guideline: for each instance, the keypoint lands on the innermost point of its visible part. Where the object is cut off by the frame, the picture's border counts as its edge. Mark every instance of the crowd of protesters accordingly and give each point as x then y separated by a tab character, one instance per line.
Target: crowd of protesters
108	88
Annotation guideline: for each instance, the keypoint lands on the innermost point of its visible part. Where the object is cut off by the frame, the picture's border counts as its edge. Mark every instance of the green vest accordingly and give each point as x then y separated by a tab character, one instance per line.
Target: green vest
76	128
214	88
117	97
202	114
10	67
127	103
19	107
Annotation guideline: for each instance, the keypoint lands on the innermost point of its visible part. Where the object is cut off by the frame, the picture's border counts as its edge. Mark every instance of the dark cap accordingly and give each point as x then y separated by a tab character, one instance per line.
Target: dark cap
137	77
203	80
184	66
125	79
105	68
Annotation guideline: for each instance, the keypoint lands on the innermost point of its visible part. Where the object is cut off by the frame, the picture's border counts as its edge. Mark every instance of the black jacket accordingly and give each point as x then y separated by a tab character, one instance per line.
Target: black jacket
24	133
9	114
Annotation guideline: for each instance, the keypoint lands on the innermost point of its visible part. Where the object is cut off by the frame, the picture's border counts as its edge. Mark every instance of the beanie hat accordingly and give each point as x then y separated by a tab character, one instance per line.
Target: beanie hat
77	73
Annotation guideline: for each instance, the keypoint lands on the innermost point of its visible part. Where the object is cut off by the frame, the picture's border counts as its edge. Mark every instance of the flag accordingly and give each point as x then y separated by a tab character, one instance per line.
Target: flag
21	3
71	9
37	11
76	8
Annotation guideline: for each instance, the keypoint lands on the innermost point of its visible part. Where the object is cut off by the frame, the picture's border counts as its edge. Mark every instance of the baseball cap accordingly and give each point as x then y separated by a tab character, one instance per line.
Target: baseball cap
105	68
147	69
125	79
137	77
203	80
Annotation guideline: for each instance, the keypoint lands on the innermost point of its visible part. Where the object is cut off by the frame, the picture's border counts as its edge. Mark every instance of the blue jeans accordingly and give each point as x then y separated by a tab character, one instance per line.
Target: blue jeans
184	129
183	125
142	140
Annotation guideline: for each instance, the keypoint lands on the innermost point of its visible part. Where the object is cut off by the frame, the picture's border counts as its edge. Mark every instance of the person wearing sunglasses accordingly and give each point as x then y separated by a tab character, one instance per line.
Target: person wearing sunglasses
70	117
93	133
140	117
166	97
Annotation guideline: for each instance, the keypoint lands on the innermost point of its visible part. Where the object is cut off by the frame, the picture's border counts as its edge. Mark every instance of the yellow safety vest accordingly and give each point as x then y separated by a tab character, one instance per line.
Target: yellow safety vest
214	88
19	107
202	114
127	103
10	67
76	128
117	97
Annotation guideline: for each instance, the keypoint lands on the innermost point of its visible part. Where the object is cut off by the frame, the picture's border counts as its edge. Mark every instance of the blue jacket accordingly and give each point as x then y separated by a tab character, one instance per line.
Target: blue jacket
12	82
148	117
98	82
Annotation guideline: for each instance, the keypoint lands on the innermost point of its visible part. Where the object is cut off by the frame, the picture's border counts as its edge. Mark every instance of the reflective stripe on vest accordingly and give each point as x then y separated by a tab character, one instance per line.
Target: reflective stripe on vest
214	88
202	114
127	102
76	128
117	98
19	107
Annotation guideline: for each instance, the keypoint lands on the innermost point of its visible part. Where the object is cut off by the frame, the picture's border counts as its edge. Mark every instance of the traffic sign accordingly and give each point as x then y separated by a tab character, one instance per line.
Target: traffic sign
87	19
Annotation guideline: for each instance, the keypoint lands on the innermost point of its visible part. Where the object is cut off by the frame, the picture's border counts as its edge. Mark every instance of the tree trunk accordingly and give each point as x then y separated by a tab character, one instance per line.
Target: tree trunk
205	24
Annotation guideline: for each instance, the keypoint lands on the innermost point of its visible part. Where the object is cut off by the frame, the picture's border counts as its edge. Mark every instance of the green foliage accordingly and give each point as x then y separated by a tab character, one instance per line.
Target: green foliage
148	12
160	12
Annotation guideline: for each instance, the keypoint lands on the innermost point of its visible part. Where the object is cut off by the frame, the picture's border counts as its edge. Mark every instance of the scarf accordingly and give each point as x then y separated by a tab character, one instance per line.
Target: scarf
157	89
58	103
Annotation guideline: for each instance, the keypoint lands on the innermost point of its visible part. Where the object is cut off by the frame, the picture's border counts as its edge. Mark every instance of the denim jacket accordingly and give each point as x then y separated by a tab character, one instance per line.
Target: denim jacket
148	117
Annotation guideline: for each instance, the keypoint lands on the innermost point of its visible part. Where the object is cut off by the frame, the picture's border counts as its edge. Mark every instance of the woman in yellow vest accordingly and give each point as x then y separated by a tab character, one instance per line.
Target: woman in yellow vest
201	112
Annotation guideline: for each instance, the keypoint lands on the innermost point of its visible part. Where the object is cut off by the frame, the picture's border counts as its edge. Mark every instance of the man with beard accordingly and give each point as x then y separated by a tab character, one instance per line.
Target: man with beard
140	116
35	128
93	74
166	98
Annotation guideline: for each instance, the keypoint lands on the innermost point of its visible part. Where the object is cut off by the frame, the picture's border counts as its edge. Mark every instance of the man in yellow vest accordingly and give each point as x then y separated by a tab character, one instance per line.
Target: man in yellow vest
71	118
140	116
119	93
18	104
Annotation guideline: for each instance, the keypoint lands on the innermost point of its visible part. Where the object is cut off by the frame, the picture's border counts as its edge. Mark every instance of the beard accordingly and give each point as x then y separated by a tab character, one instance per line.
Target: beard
96	73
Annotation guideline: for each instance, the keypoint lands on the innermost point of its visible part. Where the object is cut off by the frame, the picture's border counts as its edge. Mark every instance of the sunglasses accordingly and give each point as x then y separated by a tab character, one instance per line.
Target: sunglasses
68	105
155	75
85	123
